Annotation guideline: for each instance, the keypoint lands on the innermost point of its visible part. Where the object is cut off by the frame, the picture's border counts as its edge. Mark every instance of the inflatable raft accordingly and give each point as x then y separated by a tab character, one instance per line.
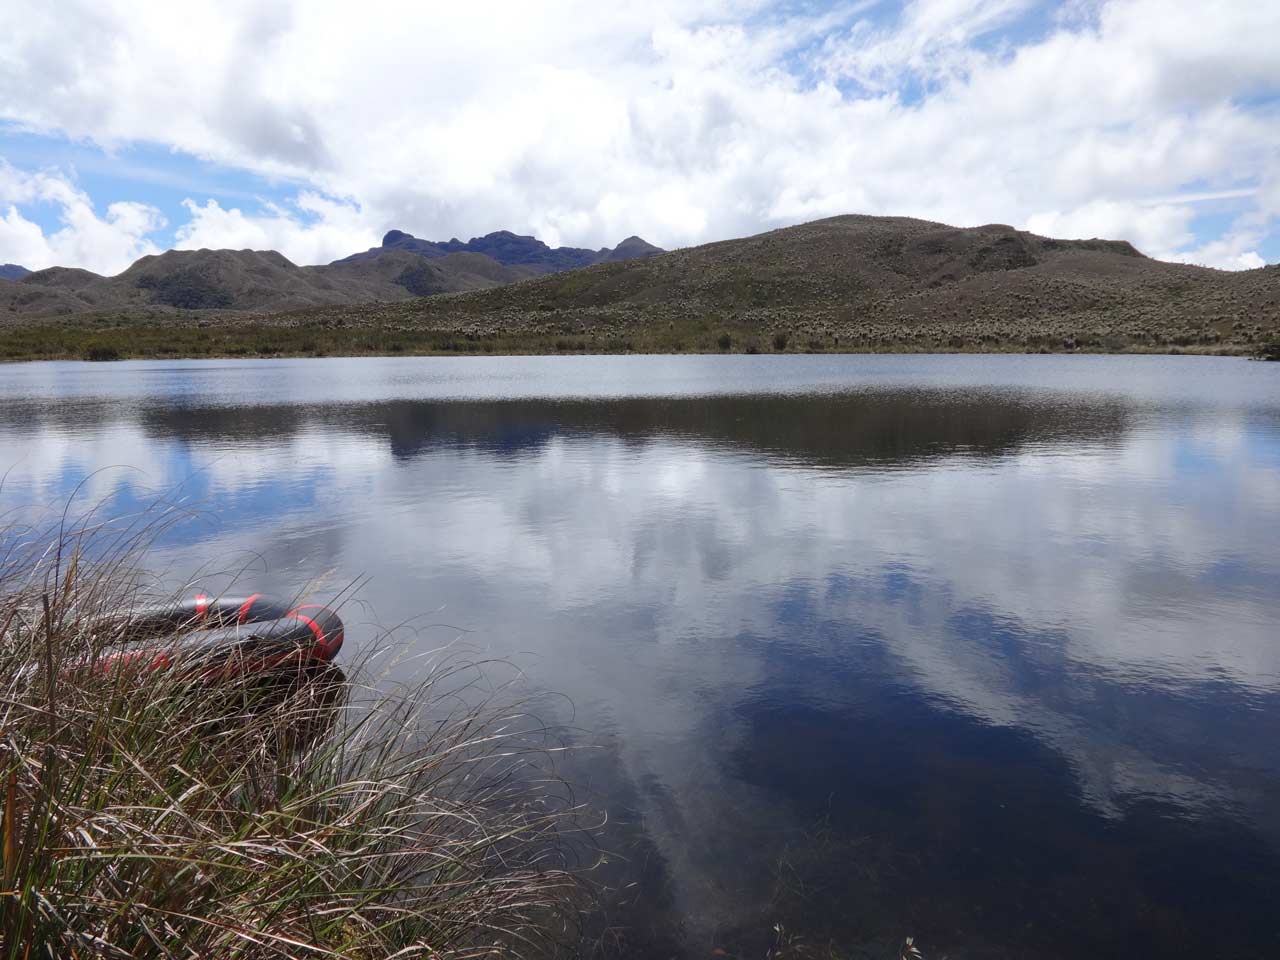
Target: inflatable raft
221	637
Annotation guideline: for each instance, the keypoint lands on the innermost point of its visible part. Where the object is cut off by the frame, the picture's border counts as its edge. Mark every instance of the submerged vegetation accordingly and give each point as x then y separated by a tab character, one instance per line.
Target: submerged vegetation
147	815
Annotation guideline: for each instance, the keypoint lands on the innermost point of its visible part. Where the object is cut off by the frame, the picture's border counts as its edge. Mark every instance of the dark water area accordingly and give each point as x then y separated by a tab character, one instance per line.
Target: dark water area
982	650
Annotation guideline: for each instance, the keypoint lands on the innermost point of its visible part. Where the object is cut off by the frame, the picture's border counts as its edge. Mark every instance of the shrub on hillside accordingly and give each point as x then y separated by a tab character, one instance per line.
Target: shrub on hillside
101	353
187	290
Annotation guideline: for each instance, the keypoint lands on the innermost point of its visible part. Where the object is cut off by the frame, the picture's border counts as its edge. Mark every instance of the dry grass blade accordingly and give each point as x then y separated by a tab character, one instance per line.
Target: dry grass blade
146	815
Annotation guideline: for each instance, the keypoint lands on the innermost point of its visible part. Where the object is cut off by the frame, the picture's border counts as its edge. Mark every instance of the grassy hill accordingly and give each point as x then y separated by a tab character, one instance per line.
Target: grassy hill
245	280
265	281
859	282
851	283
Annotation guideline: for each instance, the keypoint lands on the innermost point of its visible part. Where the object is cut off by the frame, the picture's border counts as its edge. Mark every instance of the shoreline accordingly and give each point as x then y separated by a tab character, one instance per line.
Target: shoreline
371	355
104	341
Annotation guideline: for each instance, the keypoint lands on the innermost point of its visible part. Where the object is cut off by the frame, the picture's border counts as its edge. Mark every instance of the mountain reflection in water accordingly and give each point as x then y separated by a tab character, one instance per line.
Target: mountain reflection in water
976	649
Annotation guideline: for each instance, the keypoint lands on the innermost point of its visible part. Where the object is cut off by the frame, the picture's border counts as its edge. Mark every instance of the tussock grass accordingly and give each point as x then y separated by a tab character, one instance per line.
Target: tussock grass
150	815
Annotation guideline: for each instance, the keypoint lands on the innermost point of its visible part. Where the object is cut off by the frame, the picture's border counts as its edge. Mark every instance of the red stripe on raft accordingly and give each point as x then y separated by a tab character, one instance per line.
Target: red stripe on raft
124	660
320	649
243	614
202	606
326	647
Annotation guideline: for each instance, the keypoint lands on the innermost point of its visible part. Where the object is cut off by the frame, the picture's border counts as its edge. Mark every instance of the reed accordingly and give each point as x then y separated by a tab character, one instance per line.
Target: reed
144	814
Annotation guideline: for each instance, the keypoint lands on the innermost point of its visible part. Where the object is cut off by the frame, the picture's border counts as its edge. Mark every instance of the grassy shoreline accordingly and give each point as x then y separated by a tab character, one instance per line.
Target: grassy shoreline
102	338
149	812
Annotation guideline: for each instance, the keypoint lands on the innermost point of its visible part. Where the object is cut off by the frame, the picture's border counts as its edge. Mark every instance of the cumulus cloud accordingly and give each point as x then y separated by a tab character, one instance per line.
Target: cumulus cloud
1234	251
932	43
1157	229
682	121
316	230
104	244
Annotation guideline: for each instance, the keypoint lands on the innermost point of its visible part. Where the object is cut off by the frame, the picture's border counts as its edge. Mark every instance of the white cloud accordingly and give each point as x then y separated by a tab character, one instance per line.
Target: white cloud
102	244
583	531
933	42
1235	251
1156	230
684	122
320	230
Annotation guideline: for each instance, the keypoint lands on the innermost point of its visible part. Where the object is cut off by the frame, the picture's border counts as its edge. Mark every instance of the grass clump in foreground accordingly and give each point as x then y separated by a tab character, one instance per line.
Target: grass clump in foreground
149	815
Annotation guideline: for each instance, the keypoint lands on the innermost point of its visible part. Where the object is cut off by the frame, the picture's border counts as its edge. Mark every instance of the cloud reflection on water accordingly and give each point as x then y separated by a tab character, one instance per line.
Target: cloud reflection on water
1086	586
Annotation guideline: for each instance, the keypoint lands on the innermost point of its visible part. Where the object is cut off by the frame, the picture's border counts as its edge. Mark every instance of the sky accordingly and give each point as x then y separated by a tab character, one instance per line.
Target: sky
312	127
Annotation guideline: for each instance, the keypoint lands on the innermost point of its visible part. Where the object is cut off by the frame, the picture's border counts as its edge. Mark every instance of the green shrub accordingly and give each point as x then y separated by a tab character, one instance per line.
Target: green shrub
724	341
780	341
186	289
101	353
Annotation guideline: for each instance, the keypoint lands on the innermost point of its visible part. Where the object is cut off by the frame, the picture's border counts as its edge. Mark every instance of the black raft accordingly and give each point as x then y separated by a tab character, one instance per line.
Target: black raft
223	637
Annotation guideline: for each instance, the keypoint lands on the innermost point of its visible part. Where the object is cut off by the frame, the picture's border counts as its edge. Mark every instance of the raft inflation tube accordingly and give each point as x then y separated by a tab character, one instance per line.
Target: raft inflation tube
224	637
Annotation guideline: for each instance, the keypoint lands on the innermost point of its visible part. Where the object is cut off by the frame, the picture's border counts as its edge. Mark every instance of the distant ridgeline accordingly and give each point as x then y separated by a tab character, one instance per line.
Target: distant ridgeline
848	282
264	281
513	250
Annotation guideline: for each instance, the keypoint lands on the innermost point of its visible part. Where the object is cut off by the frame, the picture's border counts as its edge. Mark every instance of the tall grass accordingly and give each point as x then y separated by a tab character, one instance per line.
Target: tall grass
147	814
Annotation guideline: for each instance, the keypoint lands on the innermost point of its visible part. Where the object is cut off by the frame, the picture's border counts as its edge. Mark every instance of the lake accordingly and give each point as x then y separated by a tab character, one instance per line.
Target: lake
982	650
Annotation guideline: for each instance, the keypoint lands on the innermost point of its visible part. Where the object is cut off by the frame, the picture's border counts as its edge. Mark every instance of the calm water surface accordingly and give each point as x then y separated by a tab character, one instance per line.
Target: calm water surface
980	649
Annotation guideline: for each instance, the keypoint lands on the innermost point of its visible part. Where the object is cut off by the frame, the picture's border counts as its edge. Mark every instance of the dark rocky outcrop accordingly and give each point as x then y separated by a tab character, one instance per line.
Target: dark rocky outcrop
513	250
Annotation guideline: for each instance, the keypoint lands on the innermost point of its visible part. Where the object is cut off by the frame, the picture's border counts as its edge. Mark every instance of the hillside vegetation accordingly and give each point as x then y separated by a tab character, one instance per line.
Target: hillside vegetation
851	283
245	280
265	281
858	282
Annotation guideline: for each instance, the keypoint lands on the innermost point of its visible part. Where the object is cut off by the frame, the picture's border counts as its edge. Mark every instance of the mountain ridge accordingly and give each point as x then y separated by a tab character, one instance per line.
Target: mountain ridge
265	280
850	282
513	250
245	280
874	282
12	271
